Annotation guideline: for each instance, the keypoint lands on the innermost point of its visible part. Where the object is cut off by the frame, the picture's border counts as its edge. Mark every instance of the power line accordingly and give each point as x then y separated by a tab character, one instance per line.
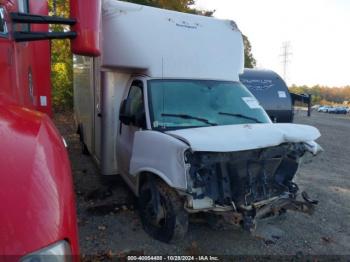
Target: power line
286	53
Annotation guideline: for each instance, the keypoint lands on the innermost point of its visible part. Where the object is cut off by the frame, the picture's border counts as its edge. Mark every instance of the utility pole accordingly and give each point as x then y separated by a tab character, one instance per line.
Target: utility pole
286	53
54	8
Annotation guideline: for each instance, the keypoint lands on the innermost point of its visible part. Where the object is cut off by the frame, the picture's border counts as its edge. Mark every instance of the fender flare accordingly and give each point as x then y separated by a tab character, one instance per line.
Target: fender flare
151	171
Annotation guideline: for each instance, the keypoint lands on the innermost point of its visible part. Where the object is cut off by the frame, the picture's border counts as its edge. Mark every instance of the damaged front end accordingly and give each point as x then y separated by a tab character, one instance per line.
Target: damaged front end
248	185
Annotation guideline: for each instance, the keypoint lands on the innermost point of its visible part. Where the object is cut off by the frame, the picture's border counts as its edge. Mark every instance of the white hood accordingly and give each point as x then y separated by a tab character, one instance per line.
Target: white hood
245	137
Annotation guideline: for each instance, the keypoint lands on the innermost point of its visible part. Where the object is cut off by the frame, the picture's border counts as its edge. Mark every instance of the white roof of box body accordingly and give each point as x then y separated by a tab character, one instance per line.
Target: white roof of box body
170	44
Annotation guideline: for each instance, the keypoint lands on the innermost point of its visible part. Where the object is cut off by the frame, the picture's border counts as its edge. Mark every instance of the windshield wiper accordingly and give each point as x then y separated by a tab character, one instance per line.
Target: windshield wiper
185	116
241	116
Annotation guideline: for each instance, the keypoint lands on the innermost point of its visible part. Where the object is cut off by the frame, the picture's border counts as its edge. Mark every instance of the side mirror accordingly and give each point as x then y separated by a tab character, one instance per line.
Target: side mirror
124	113
88	16
140	120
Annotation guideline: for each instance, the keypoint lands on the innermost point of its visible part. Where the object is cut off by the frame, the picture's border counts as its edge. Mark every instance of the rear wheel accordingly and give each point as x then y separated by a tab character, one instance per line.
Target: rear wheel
80	132
162	212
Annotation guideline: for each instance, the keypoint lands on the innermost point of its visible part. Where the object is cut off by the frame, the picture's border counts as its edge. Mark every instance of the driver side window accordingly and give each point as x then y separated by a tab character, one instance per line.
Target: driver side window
3	27
137	108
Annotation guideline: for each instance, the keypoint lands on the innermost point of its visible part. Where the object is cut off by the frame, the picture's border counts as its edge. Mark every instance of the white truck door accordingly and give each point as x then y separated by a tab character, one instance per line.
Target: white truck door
136	110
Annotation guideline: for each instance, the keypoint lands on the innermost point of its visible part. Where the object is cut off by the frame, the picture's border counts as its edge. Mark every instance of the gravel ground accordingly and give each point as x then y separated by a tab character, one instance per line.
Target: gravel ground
108	223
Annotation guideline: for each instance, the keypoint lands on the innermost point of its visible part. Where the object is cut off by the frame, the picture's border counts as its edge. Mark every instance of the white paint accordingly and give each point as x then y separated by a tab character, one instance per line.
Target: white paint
313	147
159	154
64	142
163	43
244	137
251	102
163	153
282	94
203	203
43	101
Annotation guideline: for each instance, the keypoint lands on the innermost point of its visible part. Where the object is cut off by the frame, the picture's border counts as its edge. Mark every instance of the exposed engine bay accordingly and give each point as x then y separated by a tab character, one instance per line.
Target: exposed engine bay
254	183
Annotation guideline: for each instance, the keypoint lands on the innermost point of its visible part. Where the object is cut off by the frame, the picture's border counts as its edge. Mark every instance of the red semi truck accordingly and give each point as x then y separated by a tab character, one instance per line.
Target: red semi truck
37	215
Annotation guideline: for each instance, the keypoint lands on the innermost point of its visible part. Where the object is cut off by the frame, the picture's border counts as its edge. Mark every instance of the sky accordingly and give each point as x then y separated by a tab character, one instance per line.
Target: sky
318	32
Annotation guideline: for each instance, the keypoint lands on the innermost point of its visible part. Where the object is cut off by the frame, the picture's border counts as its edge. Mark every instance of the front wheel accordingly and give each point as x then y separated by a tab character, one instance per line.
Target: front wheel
162	212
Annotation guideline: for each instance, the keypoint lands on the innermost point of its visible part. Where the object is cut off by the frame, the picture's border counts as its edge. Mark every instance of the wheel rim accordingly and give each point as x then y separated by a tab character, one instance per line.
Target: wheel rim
156	218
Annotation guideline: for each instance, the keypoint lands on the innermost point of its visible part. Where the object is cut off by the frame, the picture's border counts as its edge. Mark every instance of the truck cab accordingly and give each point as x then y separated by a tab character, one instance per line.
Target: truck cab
165	106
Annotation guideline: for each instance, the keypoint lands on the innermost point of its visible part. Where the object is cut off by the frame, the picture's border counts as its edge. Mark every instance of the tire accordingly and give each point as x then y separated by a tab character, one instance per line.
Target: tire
80	132
170	223
108	180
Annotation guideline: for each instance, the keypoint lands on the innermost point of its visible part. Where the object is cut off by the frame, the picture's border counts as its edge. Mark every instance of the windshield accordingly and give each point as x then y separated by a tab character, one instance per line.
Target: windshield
176	104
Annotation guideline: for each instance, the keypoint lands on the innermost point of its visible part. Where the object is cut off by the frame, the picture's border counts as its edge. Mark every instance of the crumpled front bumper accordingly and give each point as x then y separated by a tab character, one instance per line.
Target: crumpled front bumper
246	216
248	185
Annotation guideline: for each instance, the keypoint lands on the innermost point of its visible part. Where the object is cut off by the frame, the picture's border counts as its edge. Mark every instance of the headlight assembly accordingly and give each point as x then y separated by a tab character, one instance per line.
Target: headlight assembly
58	252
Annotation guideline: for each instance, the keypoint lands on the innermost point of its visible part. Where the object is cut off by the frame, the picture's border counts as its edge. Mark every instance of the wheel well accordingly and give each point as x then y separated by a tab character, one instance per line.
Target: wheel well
162	210
145	177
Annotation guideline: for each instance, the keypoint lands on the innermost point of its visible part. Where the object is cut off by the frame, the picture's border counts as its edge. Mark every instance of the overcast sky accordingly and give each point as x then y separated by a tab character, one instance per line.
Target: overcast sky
318	32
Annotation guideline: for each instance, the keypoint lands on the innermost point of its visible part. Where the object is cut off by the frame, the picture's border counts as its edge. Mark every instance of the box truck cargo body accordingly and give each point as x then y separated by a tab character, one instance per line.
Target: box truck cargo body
163	108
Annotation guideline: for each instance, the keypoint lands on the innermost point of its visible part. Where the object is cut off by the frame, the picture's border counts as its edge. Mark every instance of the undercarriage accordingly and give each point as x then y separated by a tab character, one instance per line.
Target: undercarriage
247	185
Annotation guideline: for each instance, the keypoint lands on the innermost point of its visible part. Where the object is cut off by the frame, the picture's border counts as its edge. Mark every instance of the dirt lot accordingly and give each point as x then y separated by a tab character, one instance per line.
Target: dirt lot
108	223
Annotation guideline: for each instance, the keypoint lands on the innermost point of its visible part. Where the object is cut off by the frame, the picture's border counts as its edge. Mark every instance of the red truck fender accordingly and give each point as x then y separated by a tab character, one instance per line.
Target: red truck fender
37	196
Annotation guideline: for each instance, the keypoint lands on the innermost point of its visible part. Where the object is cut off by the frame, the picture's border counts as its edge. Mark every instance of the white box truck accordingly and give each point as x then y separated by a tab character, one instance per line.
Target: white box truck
163	108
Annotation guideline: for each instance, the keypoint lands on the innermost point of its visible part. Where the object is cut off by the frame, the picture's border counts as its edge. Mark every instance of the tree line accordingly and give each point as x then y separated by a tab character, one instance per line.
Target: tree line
62	60
324	95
